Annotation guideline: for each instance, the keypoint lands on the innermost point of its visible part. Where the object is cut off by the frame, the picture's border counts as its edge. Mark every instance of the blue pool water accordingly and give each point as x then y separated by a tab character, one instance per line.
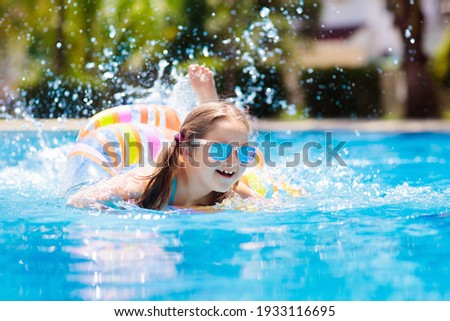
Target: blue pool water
376	229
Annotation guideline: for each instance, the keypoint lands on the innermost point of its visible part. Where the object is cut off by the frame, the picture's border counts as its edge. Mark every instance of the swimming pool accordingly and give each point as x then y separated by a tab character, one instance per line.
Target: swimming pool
376	229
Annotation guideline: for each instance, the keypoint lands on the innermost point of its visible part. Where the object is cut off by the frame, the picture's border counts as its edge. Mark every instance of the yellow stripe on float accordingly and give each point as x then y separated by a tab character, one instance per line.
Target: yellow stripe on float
136	152
133	145
259	159
106	119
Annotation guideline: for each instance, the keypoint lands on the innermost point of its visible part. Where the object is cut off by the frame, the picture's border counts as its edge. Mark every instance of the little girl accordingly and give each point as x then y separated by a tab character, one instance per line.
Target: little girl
202	167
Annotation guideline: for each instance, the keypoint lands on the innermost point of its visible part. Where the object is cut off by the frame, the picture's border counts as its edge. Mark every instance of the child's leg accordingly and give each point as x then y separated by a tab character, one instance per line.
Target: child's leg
202	82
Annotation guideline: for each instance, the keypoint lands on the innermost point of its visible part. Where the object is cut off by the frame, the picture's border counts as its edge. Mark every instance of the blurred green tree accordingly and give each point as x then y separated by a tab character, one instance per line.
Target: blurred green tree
441	65
96	46
258	43
192	36
64	35
93	45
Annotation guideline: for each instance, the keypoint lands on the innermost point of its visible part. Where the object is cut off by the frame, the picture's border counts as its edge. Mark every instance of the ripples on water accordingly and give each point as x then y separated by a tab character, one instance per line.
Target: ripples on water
375	229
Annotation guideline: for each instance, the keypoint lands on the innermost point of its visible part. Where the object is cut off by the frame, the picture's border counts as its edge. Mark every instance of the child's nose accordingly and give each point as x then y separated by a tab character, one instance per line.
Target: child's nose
232	159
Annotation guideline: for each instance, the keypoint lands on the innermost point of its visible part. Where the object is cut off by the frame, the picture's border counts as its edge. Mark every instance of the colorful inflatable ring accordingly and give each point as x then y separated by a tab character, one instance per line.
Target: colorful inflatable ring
112	150
120	138
150	114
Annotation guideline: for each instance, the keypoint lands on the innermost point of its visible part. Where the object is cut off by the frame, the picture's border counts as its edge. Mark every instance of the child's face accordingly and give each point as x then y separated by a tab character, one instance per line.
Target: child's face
220	176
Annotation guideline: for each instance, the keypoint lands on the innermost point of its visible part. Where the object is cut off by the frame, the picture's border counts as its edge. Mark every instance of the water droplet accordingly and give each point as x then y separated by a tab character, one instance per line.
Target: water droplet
407	33
107	52
112	31
107	75
264	12
205	52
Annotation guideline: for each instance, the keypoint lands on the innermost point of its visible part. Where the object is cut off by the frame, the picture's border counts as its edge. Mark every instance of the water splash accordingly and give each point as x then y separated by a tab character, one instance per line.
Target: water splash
34	162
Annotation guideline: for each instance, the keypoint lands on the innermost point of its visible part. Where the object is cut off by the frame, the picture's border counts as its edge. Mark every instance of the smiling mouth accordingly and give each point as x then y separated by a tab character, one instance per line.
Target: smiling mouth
224	173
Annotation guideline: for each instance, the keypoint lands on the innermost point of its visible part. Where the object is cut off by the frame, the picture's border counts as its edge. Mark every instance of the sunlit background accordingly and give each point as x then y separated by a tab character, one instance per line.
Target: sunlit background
284	58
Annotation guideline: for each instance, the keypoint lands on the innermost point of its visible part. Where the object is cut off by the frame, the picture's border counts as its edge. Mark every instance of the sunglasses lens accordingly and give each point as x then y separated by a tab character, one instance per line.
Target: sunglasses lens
247	154
219	151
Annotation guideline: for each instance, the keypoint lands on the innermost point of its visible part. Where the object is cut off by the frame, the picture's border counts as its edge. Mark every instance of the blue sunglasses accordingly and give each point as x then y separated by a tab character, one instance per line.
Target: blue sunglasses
221	151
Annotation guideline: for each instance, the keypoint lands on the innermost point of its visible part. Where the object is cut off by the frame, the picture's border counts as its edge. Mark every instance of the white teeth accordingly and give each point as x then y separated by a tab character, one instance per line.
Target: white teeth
226	172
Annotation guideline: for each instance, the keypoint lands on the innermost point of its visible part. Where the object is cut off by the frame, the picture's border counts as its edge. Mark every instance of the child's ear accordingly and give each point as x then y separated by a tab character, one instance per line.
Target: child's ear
186	153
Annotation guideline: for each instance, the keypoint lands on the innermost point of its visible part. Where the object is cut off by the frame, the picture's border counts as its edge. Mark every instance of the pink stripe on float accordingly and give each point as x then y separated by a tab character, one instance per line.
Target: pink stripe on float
153	142
125	116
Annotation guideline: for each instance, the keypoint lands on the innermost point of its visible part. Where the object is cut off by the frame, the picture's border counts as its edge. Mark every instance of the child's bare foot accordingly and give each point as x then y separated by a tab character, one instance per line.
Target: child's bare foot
202	82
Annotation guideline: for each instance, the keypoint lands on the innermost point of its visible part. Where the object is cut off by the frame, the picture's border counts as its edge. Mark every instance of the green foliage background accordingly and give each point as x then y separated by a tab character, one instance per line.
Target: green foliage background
74	57
441	64
72	53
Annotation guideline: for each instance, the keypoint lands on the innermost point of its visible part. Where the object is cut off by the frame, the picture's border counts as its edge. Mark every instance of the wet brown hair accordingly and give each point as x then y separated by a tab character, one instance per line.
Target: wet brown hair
197	124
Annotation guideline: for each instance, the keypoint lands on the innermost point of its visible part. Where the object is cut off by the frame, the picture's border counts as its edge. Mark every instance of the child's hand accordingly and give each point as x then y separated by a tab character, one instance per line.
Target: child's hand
202	82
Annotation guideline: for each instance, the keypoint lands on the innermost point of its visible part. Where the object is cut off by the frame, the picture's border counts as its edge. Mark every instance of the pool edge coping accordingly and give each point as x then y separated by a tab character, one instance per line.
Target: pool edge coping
412	126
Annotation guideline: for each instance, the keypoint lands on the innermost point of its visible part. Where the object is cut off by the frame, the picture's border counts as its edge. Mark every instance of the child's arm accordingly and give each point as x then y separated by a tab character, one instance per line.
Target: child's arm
126	187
